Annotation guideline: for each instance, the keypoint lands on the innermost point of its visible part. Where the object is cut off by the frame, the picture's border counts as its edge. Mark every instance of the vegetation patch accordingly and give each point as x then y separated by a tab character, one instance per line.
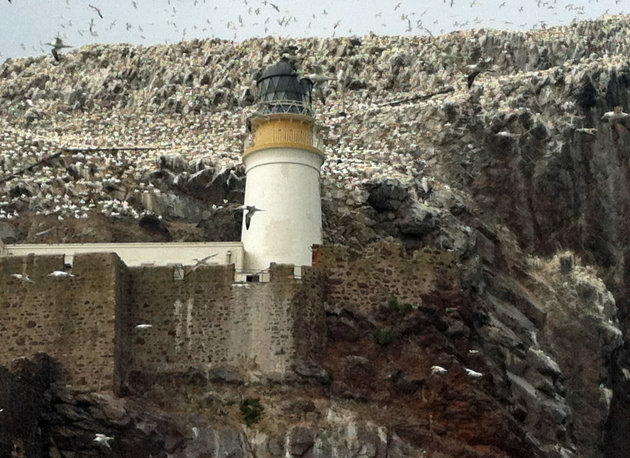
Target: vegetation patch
401	308
251	409
384	337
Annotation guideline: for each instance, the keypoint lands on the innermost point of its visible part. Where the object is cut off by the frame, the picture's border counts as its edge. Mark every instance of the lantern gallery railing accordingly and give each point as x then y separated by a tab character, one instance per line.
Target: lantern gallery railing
284	106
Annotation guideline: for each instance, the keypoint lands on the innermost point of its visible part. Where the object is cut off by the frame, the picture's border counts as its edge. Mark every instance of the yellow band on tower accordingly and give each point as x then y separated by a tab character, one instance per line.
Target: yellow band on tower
283	132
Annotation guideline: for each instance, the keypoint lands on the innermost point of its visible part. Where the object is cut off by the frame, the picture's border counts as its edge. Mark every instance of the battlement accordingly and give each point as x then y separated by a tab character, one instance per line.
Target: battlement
70	318
202	319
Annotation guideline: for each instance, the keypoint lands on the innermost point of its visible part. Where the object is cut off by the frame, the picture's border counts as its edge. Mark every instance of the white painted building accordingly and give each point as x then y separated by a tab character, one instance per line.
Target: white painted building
140	254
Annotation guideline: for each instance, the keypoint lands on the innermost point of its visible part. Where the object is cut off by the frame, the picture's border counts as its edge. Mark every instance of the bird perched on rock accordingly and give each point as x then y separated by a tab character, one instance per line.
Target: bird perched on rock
439	370
615	115
56	46
102	439
23	277
60	274
251	210
472	373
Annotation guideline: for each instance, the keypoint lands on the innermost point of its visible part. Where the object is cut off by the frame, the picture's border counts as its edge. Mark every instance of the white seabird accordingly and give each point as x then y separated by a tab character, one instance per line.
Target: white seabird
199	263
472	373
439	370
251	209
60	274
103	439
615	115
23	277
56	46
144	326
204	260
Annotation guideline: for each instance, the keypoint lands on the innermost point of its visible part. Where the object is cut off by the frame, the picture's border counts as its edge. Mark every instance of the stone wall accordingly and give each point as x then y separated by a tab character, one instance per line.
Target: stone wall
207	321
383	271
88	322
72	319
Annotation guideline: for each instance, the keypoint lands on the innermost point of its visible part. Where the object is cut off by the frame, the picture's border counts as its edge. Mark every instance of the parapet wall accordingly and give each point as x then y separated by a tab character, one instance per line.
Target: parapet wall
72	319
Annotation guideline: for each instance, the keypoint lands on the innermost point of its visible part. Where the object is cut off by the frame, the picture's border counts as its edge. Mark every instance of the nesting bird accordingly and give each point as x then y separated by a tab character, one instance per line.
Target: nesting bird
473	374
438	370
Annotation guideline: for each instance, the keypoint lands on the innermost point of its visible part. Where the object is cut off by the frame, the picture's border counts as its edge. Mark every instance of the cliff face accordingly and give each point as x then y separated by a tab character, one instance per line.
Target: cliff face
507	201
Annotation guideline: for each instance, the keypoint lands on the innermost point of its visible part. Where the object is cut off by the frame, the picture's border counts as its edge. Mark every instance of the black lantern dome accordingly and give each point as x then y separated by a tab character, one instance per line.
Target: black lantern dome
280	90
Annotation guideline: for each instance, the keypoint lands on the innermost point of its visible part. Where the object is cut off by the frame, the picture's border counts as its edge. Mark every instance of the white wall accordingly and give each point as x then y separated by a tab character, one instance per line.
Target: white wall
137	254
284	182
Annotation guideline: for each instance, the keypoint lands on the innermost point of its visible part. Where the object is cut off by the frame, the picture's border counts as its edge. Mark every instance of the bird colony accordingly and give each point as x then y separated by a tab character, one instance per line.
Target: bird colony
82	135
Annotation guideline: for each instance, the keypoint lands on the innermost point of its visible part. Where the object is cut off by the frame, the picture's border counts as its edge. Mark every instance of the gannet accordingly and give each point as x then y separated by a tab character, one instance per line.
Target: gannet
472	373
204	260
56	46
251	209
144	326
438	370
103	439
97	11
23	277
60	273
614	115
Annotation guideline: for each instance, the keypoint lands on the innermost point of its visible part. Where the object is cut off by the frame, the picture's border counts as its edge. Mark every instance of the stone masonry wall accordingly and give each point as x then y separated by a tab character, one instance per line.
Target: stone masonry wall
88	322
383	271
72	319
207	321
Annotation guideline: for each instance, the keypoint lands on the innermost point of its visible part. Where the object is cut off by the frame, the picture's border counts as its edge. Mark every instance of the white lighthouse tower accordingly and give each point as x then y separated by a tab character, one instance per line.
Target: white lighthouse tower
282	162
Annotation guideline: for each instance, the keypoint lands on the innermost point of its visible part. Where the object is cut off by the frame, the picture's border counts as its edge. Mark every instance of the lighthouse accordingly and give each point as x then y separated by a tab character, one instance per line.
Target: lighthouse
282	159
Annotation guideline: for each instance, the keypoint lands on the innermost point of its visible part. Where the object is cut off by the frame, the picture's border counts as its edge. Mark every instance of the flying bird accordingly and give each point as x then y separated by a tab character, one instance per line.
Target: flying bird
144	326
97	11
23	277
102	439
56	46
251	210
476	70
204	260
199	263
614	115
60	274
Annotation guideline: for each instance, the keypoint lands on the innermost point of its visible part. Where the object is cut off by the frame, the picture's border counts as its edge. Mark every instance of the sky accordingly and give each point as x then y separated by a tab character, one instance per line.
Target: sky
25	25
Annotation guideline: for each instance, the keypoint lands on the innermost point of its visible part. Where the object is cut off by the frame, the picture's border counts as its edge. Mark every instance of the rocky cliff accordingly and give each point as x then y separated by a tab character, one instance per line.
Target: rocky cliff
517	184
